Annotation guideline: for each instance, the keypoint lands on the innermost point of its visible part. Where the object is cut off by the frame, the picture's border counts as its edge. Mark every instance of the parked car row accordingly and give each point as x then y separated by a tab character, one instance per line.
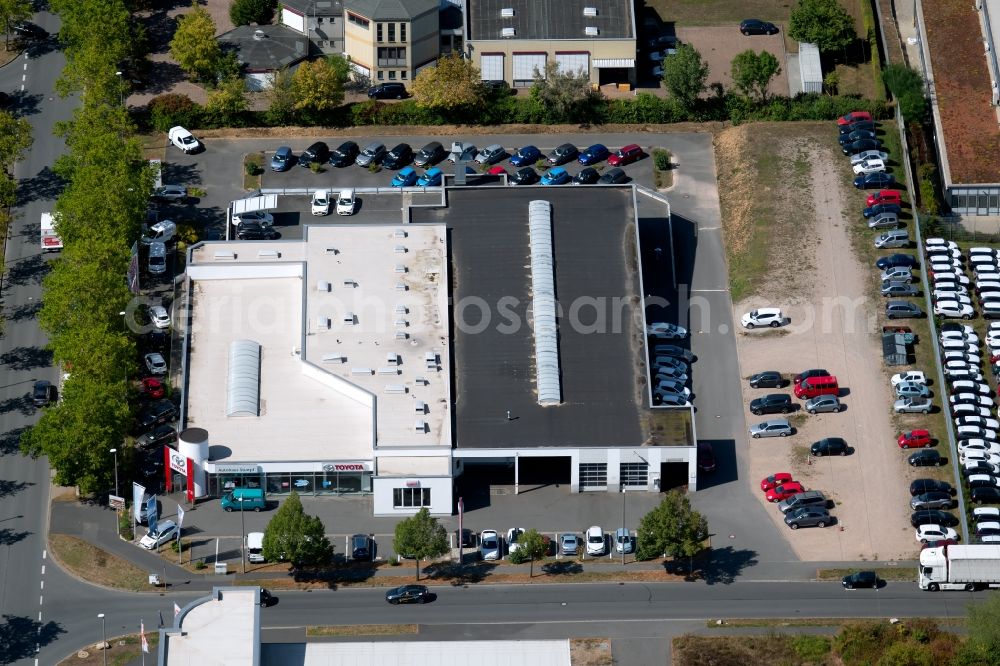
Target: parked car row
670	366
949	283
801	507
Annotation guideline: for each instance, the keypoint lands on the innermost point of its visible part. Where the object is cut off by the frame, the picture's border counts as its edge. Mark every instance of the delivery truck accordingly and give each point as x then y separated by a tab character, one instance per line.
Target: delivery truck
960	567
50	239
255	547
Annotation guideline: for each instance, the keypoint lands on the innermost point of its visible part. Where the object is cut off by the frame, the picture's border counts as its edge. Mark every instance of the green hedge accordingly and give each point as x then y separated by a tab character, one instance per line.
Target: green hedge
166	111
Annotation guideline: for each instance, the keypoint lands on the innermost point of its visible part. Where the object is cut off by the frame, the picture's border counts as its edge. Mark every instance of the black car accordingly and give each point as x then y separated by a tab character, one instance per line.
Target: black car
587	176
881	209
934	499
151	466
921	486
345	154
468	538
398	157
563	154
772	403
977	467
876	180
808	374
430	155
613	177
857	135
861	146
524	176
933	517
902	310
863	125
161	434
926	458
675	352
706	457
758	27
767	379
318	152
985	495
43	393
829	446
983	481
893	260
255	231
29	30
408	594
156	413
361	550
860	579
387	91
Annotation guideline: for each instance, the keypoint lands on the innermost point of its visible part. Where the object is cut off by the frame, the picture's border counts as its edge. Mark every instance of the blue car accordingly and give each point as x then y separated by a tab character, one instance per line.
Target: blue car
876	180
556	176
282	159
872	211
596	153
405	178
431	178
526	156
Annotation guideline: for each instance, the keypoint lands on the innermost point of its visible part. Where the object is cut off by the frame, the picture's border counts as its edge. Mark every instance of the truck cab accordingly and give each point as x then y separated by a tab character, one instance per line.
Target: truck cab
965	567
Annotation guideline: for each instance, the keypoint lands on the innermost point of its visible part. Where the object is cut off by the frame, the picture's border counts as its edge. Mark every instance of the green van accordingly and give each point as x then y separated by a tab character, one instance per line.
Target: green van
244	499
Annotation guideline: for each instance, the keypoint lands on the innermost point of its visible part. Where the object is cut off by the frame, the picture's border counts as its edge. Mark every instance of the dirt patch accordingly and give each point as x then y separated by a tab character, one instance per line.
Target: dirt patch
822	286
590	652
718	46
95	565
122	651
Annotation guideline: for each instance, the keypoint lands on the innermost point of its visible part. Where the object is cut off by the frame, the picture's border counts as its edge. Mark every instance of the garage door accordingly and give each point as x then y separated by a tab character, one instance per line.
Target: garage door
293	20
525	66
573	63
491	67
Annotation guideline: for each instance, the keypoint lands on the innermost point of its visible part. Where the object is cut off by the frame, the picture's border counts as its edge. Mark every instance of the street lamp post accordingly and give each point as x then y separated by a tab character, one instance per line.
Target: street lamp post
243	531
121	89
625	537
118	528
104	639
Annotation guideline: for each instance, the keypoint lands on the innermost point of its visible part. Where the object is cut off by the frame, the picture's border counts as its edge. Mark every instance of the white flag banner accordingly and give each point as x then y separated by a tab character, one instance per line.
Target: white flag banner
180	518
177	609
142	636
138	491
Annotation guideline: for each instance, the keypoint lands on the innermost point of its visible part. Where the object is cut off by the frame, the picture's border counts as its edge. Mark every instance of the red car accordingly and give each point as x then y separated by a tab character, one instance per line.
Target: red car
784	491
626	155
854	117
915	439
497	171
151	387
885	197
993	361
775	480
939	543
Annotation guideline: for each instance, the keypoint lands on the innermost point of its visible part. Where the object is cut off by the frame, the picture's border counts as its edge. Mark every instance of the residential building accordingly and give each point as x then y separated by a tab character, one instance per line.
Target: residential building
263	49
321	21
510	40
391	40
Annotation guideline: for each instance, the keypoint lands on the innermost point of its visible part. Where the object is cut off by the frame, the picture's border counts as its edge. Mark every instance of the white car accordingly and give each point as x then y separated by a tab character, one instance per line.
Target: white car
667	331
321	202
170	193
968	386
986	422
965	329
183	139
917	376
994	327
926	533
513	534
763	317
346	202
874	165
966	445
967	410
974	468
986	513
595	540
940	242
975	432
165	531
960	345
959	367
952	276
159	316
857	158
959	335
261	217
972	398
993	340
489	545
155	363
973	455
953	309
958	355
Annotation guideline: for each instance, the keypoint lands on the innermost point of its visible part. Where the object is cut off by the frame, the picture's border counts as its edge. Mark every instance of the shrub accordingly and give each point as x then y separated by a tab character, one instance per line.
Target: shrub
810	648
199	565
661	159
253	169
518	557
927	176
166	111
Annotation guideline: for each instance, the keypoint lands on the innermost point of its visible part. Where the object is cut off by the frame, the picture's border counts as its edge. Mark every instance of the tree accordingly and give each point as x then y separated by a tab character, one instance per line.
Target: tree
294	536
15	138
318	86
421	537
563	93
673	528
228	99
12	11
684	75
823	23
752	72
245	12
280	97
533	546
194	46
454	83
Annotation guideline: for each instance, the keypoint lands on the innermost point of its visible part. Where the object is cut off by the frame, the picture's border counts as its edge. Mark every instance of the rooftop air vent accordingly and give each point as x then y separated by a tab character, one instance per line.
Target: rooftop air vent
507	12
590	11
508	32
259	35
591	31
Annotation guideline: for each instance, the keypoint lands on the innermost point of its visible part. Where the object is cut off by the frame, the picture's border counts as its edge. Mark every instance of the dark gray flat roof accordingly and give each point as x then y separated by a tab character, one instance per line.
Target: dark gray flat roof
603	393
550	19
315	7
390	10
280	46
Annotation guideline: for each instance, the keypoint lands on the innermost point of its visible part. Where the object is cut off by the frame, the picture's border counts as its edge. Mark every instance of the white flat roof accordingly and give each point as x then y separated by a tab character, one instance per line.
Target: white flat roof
438	653
220	630
353	325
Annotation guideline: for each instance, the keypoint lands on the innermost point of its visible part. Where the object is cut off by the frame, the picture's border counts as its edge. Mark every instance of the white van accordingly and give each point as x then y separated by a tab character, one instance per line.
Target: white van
345	202
255	547
157	258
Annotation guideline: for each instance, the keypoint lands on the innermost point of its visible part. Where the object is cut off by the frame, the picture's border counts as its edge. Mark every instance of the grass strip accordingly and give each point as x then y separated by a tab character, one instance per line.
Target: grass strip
885	573
123	651
362	630
95	565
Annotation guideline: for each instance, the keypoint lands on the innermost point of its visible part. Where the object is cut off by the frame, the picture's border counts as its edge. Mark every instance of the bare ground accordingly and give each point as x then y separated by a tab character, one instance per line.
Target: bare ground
819	282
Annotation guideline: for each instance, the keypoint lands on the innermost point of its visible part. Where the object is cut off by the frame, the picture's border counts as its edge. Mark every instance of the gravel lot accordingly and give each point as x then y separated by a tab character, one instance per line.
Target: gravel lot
833	326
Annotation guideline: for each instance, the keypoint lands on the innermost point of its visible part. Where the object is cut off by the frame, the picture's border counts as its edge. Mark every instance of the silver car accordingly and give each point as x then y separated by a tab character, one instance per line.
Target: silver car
823	403
771	428
912	389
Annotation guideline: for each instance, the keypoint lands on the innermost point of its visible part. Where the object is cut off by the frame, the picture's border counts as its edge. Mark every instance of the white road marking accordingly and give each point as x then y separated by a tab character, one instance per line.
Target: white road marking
40	597
26	67
43	569
42	583
45	554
